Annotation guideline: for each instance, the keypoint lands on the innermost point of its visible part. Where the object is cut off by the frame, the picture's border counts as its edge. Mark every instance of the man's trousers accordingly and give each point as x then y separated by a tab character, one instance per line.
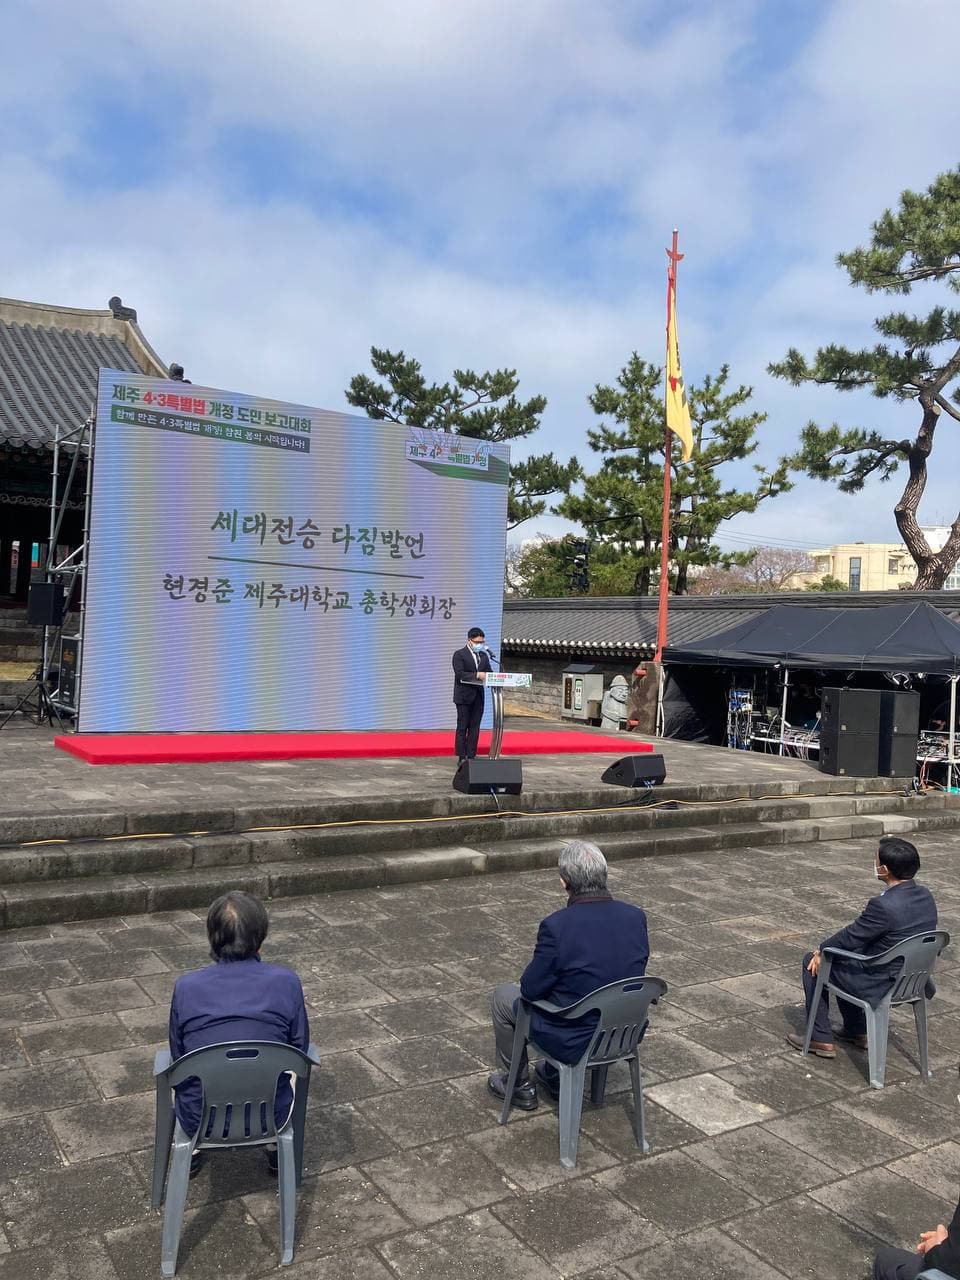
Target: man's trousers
469	715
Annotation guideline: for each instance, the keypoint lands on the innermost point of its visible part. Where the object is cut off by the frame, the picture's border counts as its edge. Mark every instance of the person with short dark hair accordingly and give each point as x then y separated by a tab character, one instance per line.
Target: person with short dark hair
903	909
469	663
592	941
238	997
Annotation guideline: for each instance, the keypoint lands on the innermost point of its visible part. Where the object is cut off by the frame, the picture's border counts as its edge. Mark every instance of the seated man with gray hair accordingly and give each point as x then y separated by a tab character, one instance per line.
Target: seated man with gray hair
592	941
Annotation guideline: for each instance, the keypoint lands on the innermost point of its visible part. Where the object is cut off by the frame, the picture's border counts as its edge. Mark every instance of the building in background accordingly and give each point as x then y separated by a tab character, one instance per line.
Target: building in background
873	566
49	357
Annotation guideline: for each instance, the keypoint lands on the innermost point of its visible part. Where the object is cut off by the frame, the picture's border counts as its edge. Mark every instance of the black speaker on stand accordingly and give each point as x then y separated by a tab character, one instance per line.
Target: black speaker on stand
45	604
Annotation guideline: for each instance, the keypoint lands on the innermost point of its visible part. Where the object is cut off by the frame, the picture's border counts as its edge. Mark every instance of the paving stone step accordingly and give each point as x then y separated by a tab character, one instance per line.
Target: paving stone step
190	885
121	855
170	818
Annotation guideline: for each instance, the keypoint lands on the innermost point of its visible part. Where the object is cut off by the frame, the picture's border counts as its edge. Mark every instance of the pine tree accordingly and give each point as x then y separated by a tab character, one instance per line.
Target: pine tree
621	503
918	360
481	406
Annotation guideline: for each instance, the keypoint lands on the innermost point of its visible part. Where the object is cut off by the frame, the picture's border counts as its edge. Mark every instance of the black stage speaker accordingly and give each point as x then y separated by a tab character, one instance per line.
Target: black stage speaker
898	756
45	604
849	711
852	754
899	731
477	777
643	769
850	732
899	713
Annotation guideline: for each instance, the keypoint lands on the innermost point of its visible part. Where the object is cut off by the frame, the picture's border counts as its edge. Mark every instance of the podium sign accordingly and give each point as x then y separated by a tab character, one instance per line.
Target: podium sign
508	680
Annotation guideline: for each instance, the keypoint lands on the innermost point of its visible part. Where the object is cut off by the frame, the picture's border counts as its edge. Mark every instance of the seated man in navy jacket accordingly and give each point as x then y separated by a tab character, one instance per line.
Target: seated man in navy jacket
238	997
592	941
901	910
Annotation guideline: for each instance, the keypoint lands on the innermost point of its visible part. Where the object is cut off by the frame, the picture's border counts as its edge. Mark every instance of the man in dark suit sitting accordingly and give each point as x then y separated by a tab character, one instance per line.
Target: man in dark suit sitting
471	663
594	940
901	910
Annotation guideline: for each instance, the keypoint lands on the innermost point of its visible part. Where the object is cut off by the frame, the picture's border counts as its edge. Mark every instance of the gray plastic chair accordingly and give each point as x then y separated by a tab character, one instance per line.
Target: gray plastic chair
239	1082
919	955
623	1008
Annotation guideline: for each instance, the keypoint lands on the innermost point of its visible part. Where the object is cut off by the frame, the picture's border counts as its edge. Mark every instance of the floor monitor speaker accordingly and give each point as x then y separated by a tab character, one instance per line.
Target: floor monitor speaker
479	777
644	769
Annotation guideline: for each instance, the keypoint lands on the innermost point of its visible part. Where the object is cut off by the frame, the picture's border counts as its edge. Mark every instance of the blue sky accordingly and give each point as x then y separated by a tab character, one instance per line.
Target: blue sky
278	187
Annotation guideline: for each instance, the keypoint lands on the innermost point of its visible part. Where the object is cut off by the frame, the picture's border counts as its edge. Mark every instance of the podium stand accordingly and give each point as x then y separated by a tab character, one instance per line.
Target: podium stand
496	682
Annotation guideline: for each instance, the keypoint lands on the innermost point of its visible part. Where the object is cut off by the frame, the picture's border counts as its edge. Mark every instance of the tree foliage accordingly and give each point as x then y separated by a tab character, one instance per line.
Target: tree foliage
481	406
621	503
918	360
771	569
827	583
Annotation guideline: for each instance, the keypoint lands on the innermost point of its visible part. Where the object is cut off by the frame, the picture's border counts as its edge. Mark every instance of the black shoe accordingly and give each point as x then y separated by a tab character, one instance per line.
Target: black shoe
548	1077
273	1162
196	1164
524	1094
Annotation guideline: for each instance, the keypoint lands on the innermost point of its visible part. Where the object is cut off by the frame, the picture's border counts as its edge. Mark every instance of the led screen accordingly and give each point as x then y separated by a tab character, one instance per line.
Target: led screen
263	566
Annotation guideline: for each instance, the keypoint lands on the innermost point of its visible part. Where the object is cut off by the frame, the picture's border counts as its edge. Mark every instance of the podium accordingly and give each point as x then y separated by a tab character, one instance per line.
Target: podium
496	682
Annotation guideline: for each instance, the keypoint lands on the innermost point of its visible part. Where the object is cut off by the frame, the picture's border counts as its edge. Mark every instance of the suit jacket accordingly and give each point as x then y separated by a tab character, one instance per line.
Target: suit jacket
592	941
946	1257
464	665
235	1000
897	913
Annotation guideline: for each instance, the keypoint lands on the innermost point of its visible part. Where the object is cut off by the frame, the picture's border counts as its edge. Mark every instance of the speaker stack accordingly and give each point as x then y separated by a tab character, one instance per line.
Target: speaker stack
899	731
850	732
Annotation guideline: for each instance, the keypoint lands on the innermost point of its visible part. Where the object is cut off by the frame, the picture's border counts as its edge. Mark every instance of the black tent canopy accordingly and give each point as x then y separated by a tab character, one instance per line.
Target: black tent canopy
894	637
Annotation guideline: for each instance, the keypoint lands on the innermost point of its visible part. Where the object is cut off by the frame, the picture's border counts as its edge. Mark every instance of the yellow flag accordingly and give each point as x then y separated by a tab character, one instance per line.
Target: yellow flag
675	395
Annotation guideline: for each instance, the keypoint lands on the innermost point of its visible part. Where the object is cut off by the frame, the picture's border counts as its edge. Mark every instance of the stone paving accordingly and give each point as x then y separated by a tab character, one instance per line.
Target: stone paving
761	1164
38	777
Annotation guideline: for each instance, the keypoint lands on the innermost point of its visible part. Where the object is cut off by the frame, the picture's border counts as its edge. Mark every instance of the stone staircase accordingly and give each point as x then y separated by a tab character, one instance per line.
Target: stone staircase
64	866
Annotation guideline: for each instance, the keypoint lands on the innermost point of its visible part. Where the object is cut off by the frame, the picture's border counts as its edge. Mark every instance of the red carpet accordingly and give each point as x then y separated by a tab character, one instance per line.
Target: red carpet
197	748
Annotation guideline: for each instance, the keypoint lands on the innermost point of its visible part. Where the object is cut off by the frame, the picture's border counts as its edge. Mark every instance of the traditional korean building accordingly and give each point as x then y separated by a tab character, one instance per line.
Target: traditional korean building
49	357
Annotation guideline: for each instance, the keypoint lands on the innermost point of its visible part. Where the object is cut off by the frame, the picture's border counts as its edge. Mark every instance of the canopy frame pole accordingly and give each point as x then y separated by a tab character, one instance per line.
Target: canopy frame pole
661	678
951	741
783	707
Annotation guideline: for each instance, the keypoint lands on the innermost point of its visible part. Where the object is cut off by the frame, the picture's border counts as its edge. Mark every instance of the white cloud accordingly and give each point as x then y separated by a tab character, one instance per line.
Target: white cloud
486	185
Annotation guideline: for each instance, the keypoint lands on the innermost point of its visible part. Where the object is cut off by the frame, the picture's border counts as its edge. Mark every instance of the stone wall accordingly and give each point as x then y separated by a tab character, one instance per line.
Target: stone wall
544	697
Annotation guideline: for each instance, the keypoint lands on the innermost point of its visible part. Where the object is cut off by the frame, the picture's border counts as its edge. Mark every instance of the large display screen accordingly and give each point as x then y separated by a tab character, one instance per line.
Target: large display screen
263	566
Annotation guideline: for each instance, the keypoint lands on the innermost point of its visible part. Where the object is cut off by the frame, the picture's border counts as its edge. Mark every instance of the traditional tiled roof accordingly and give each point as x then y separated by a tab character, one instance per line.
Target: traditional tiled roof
49	357
626	626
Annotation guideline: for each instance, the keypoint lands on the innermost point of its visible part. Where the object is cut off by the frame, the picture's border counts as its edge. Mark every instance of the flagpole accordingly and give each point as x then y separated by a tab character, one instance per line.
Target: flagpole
674	257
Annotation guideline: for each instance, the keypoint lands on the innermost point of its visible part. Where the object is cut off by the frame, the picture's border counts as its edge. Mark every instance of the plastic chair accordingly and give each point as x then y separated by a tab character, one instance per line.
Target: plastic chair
623	1008
919	954
239	1082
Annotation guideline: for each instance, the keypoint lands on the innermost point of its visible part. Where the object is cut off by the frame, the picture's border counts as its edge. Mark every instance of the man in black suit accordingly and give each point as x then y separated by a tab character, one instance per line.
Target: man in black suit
901	910
471	662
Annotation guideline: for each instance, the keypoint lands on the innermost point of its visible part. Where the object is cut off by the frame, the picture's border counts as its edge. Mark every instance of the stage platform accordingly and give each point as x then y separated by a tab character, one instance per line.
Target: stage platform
209	748
80	843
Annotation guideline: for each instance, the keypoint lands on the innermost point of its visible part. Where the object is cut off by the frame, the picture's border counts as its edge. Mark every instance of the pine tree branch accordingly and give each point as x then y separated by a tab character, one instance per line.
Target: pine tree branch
947	407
